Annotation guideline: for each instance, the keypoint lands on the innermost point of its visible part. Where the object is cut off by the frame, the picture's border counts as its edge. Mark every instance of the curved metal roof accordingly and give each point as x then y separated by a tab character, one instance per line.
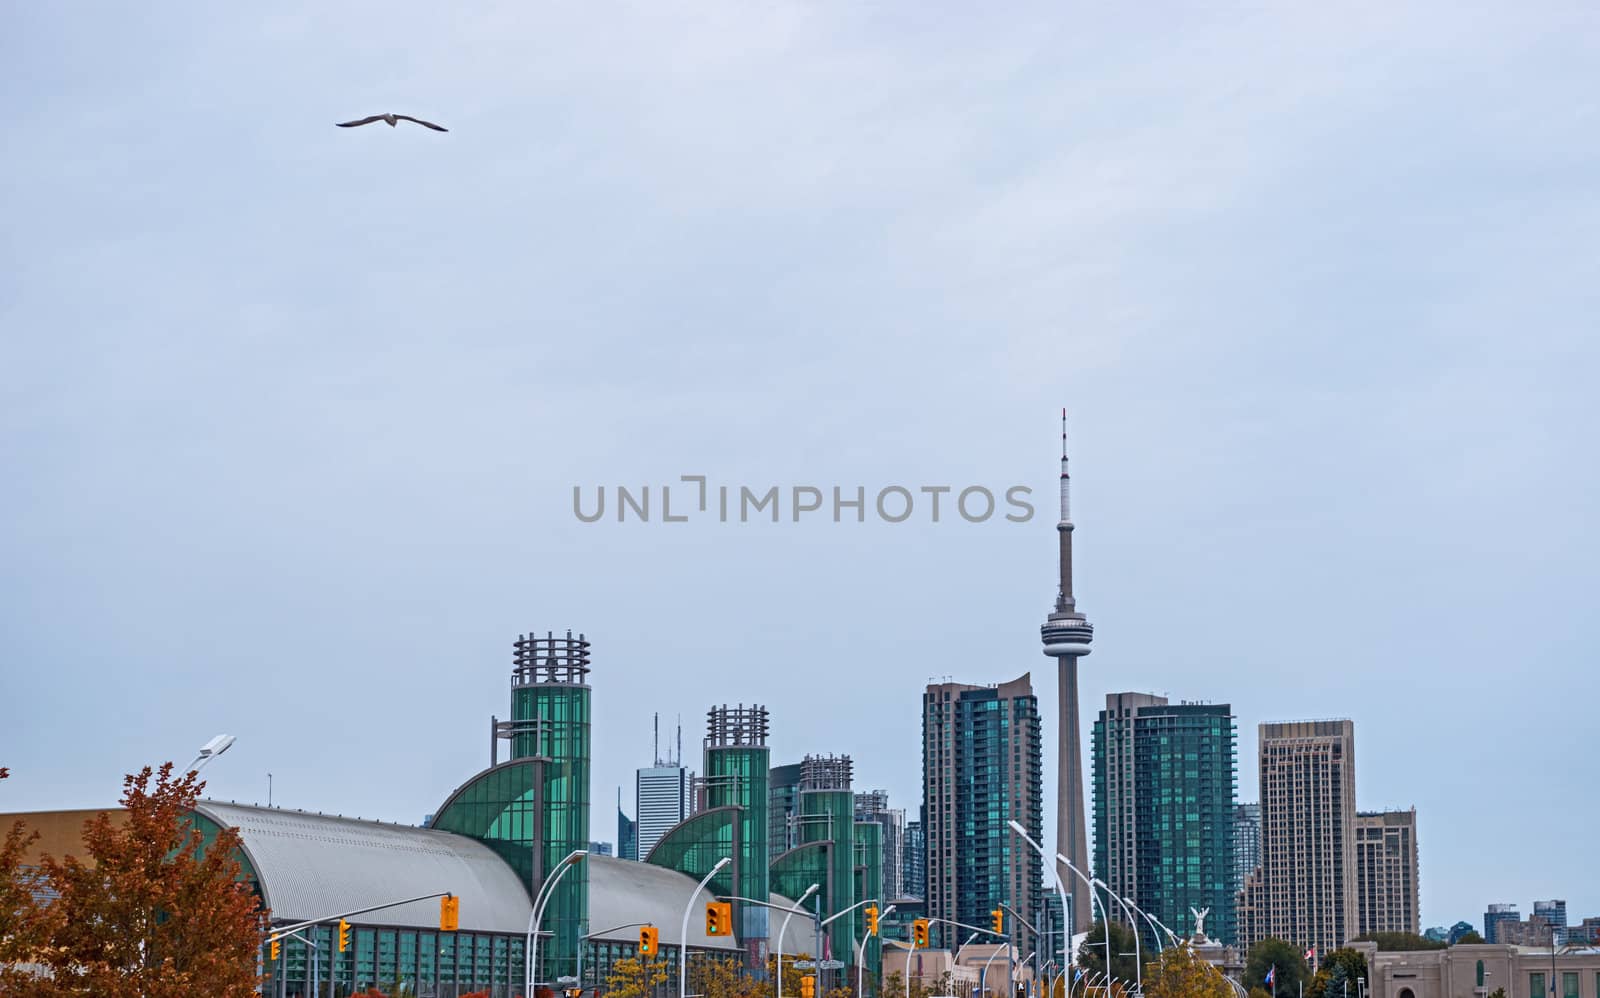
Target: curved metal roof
622	891
313	866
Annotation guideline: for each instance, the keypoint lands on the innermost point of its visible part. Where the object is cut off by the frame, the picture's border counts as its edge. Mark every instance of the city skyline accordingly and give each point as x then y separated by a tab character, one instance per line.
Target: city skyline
287	462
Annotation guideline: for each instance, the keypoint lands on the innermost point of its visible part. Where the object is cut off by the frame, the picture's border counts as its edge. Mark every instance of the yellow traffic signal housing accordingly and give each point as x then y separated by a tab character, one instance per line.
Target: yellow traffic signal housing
649	941
919	933
808	986
872	919
273	950
344	935
449	913
997	921
719	918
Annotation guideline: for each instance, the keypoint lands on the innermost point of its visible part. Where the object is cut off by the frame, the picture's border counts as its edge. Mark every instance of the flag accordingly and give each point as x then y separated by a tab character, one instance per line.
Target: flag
1272	974
1311	954
1077	974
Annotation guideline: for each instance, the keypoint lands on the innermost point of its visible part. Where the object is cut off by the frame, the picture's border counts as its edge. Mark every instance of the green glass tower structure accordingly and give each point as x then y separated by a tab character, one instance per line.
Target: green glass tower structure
736	765
1165	780
534	809
869	887
828	814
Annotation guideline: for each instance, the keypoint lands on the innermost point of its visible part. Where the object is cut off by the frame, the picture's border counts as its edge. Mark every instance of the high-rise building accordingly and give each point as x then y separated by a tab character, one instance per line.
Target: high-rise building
1165	776
1555	915
828	814
600	849
783	807
1535	931
914	881
1066	635
1246	843
627	833
874	806
1496	914
981	769
1306	892
1386	872
663	797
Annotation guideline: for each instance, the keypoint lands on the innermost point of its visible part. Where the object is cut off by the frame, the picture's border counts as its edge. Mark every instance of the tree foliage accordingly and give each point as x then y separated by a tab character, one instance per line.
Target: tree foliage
1092	954
1272	953
1340	972
1469	938
1179	973
631	977
151	914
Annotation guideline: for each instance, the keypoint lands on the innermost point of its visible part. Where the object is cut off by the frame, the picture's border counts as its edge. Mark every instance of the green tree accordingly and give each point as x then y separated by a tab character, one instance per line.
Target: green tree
1469	938
1092	954
1291	973
1343	967
154	915
1180	974
1401	942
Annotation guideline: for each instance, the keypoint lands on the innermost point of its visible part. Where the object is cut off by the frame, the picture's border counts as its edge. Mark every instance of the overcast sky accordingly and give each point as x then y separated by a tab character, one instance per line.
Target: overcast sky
291	415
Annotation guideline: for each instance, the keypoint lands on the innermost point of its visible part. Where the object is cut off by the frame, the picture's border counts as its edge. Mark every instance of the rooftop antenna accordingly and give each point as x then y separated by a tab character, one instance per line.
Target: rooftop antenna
680	740
657	745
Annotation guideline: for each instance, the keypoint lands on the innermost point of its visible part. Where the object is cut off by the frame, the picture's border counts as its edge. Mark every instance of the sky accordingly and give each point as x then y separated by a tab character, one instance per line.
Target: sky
291	416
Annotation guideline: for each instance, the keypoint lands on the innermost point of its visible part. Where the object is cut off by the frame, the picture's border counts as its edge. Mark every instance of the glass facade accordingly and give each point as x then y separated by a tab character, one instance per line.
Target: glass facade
830	815
783	809
498	808
1164	812
413	962
869	887
694	847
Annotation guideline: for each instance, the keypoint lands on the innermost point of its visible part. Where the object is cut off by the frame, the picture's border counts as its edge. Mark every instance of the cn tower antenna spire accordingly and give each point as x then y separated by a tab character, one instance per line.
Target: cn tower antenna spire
1067	636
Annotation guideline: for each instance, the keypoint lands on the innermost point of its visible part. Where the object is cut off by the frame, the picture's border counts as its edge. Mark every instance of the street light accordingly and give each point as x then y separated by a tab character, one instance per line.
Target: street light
1138	959
861	957
1061	889
683	940
210	750
547	889
784	927
1094	899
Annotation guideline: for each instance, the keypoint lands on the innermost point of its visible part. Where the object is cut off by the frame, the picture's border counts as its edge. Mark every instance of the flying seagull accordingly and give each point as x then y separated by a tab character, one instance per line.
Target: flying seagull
390	120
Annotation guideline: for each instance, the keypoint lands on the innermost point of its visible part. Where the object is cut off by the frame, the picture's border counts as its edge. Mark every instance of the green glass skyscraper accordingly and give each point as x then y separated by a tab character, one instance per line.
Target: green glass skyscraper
1165	778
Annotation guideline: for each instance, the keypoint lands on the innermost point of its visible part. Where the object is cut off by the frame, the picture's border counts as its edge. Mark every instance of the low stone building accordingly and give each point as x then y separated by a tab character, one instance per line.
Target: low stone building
1478	971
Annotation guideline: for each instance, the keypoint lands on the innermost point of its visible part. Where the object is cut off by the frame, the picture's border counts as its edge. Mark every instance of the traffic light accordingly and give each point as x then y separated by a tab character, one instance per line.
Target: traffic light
273	950
997	921
344	935
449	913
808	986
872	919
649	941
719	918
919	934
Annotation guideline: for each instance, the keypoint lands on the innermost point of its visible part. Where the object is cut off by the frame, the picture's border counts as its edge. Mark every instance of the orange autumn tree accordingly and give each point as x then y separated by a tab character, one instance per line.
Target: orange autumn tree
155	916
24	923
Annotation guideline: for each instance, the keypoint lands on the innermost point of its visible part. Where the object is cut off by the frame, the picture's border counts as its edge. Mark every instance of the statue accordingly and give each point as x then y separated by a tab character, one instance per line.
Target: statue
1200	921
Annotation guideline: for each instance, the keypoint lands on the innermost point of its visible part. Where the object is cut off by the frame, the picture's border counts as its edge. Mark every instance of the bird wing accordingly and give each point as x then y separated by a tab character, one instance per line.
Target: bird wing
362	121
425	124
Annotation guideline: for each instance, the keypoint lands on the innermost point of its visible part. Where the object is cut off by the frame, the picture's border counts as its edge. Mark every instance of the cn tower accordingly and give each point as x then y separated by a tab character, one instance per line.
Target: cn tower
1066	635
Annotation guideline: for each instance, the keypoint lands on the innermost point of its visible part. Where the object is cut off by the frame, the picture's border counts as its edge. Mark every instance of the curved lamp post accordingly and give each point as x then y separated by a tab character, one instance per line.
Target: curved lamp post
1138	956
546	889
683	940
1094	898
799	902
861	957
1061	889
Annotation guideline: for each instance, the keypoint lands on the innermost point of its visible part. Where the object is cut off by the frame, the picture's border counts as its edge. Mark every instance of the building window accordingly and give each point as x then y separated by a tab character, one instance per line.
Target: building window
1536	986
1480	973
1569	985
